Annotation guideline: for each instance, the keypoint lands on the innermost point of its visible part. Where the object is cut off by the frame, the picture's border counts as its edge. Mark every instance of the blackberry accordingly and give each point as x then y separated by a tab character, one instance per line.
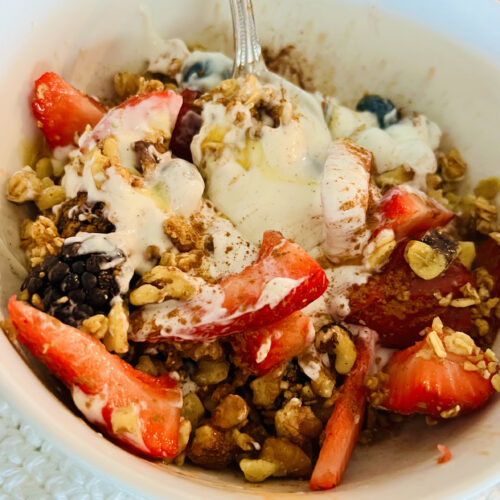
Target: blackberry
73	286
382	108
80	215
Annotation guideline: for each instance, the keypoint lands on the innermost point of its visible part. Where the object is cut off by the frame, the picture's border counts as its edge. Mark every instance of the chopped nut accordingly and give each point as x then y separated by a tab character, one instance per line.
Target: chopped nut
183	234
482	326
394	177
495	382
149	365
24	186
488	188
459	343
192	409
267	388
465	302
426	262
466	253
36	300
436	344
231	412
291	461
453	167
451	413
96	325
297	423
116	338
211	448
43	168
184	433
173	282
470	367
145	294
257	470
490	355
211	372
437	325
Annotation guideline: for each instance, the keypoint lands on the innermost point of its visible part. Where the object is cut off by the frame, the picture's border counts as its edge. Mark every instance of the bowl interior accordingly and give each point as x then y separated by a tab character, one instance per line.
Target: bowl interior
344	47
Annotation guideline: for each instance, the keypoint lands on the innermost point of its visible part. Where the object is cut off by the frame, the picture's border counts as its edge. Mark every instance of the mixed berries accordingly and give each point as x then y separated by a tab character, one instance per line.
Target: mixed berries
72	287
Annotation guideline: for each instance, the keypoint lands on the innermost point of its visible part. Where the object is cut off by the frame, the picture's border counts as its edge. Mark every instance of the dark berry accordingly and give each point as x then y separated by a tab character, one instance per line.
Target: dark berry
382	108
57	272
49	261
93	264
34	285
50	296
88	280
70	282
78	267
77	296
194	75
62	311
98	298
83	311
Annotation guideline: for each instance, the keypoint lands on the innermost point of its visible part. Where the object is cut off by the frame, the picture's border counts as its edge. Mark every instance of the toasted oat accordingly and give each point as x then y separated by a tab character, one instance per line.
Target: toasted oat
23	186
436	344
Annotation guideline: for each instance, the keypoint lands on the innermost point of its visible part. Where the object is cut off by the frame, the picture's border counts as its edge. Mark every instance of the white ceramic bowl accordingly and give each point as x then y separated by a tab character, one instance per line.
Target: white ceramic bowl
438	57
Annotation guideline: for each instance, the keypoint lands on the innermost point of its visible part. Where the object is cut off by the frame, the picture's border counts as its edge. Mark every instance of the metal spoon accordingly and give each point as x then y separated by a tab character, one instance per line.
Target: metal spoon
248	58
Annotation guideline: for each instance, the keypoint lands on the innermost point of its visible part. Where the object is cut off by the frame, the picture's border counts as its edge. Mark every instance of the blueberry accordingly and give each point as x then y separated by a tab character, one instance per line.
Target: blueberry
83	311
34	285
383	109
70	282
98	298
57	272
78	267
89	280
200	69
93	264
77	296
50	260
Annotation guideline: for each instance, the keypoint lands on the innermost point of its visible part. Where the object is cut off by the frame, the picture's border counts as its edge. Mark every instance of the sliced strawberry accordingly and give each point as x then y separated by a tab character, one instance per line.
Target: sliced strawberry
420	381
102	385
187	126
62	111
410	212
398	304
260	350
488	256
138	118
342	429
283	280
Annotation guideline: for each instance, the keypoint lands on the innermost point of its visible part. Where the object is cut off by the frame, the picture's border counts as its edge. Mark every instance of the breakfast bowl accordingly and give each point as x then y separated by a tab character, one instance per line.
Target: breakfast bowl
442	60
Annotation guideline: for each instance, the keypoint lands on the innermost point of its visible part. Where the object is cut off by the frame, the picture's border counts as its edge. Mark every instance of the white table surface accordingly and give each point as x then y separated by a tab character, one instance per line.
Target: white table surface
31	468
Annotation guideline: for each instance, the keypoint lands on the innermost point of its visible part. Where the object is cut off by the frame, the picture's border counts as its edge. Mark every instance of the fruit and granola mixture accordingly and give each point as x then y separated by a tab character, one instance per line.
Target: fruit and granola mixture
236	272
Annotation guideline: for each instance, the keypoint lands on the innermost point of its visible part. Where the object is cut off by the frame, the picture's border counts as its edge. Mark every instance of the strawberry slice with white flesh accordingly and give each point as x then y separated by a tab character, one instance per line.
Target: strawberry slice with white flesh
344	210
260	350
444	375
342	429
63	111
137	410
283	280
146	117
409	212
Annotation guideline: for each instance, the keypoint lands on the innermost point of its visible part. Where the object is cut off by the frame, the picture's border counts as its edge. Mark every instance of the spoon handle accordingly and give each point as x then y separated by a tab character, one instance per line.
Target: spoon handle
247	51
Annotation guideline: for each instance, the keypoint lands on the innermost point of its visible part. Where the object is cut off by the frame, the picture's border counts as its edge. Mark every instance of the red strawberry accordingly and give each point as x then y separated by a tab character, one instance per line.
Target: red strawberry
409	212
261	350
187	126
137	117
283	280
399	305
488	256
62	110
102	384
342	429
420	381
